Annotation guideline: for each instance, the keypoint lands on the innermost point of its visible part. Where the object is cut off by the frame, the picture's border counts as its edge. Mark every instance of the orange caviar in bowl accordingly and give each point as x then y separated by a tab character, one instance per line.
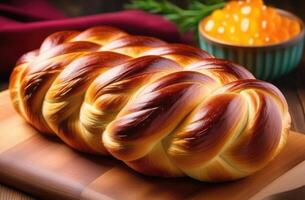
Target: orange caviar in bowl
249	22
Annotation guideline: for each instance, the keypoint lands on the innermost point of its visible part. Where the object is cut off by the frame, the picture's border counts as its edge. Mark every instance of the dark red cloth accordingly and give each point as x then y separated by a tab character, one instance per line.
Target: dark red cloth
24	24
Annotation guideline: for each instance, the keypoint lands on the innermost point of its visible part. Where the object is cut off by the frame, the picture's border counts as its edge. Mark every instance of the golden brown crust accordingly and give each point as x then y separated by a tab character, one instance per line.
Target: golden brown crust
163	109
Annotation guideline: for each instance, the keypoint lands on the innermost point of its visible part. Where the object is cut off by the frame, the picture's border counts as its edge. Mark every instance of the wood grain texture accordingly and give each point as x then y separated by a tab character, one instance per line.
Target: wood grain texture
11	194
47	168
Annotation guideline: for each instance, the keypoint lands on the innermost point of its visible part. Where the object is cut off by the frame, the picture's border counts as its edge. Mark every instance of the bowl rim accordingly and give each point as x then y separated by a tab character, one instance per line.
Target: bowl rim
288	42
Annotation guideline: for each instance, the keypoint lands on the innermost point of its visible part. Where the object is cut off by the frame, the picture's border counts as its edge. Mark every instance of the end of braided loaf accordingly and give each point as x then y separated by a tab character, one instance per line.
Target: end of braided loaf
163	109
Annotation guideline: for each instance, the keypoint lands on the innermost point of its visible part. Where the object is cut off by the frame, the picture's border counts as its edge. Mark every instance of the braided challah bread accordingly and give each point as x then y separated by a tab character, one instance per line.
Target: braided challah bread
163	109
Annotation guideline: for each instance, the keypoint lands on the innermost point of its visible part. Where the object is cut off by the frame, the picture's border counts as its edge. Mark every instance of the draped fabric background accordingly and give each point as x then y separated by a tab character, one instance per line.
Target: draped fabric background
25	23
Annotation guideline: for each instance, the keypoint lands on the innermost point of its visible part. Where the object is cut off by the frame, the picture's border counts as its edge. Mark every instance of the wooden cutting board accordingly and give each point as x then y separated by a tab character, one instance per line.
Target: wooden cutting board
47	168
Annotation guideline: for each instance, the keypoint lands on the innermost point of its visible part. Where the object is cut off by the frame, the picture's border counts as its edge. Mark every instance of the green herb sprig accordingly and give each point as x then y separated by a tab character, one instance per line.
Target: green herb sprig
185	19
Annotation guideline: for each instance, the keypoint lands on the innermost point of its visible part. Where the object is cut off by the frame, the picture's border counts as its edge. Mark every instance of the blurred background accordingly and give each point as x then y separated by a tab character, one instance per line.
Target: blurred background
74	8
